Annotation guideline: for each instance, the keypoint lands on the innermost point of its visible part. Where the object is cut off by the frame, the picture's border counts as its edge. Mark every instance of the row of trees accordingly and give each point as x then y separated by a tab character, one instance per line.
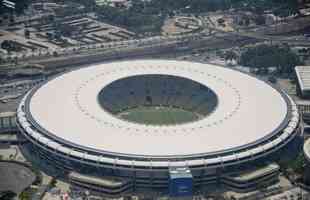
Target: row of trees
10	45
280	7
263	57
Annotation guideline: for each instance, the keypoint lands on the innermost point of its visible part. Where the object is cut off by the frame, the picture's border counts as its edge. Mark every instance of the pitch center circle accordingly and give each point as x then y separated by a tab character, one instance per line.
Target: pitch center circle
156	99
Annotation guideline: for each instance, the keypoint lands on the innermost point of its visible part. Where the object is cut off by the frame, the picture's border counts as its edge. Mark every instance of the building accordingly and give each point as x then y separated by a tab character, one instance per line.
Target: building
180	182
231	122
303	81
7	122
249	180
114	3
109	185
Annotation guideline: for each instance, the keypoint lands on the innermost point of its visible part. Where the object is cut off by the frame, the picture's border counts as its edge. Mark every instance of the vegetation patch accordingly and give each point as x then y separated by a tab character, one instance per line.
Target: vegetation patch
263	58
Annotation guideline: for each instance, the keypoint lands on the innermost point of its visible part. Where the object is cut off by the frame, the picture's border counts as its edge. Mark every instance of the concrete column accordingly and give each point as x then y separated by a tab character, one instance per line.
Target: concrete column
10	122
1	122
4	119
14	122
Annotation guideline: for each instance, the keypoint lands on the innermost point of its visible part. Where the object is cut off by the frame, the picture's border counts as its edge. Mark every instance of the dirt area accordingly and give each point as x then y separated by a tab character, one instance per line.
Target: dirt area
171	26
222	22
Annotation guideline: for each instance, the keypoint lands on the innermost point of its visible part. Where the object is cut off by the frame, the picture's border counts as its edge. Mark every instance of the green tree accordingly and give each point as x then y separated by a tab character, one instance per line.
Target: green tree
53	182
7	195
27	33
298	165
230	56
21	5
287	8
262	57
25	195
260	20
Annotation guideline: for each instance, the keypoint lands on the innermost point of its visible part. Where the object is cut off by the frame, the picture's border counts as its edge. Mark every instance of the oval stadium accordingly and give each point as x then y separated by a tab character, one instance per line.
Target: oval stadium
159	125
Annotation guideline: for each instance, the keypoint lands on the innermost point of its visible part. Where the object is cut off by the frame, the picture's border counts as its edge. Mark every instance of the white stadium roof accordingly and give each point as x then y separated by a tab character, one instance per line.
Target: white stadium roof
248	110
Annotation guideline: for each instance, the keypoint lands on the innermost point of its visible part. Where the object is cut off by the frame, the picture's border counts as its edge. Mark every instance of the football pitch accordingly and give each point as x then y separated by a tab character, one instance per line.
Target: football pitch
158	115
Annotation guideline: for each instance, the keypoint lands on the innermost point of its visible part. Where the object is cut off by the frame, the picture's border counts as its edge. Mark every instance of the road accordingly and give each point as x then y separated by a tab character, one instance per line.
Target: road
258	32
11	93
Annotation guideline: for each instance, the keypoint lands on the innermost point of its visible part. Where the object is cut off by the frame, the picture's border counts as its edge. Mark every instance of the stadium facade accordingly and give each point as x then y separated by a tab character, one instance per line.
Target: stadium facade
72	122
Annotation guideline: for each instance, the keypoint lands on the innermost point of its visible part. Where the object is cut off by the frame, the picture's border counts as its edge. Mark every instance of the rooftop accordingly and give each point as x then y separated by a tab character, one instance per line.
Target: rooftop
103	181
248	111
258	172
303	77
180	173
7	114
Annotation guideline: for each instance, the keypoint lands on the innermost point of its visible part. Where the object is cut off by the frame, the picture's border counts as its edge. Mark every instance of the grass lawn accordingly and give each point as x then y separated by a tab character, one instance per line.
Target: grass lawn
158	115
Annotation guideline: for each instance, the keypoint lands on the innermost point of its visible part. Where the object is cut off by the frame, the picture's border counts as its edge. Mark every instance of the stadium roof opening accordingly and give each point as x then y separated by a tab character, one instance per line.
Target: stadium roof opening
158	99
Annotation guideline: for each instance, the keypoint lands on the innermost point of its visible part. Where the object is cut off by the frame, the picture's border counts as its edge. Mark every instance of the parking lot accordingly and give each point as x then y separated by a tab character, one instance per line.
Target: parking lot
15	177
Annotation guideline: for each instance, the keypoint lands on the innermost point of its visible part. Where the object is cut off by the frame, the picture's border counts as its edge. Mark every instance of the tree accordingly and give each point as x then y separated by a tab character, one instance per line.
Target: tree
262	57
25	195
7	195
288	8
230	56
27	33
272	79
53	182
6	44
298	164
10	45
247	20
260	20
21	5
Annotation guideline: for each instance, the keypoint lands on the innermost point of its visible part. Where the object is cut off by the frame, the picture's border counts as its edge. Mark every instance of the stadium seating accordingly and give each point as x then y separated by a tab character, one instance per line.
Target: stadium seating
157	90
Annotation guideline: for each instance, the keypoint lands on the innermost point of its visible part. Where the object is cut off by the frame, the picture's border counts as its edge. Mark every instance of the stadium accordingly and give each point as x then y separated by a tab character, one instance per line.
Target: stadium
163	125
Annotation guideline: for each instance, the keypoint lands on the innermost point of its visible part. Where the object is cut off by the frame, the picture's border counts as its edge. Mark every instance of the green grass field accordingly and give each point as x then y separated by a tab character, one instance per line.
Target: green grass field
158	115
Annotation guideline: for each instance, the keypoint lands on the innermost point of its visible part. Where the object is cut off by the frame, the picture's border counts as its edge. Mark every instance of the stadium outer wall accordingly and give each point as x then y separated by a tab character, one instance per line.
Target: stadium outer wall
153	173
